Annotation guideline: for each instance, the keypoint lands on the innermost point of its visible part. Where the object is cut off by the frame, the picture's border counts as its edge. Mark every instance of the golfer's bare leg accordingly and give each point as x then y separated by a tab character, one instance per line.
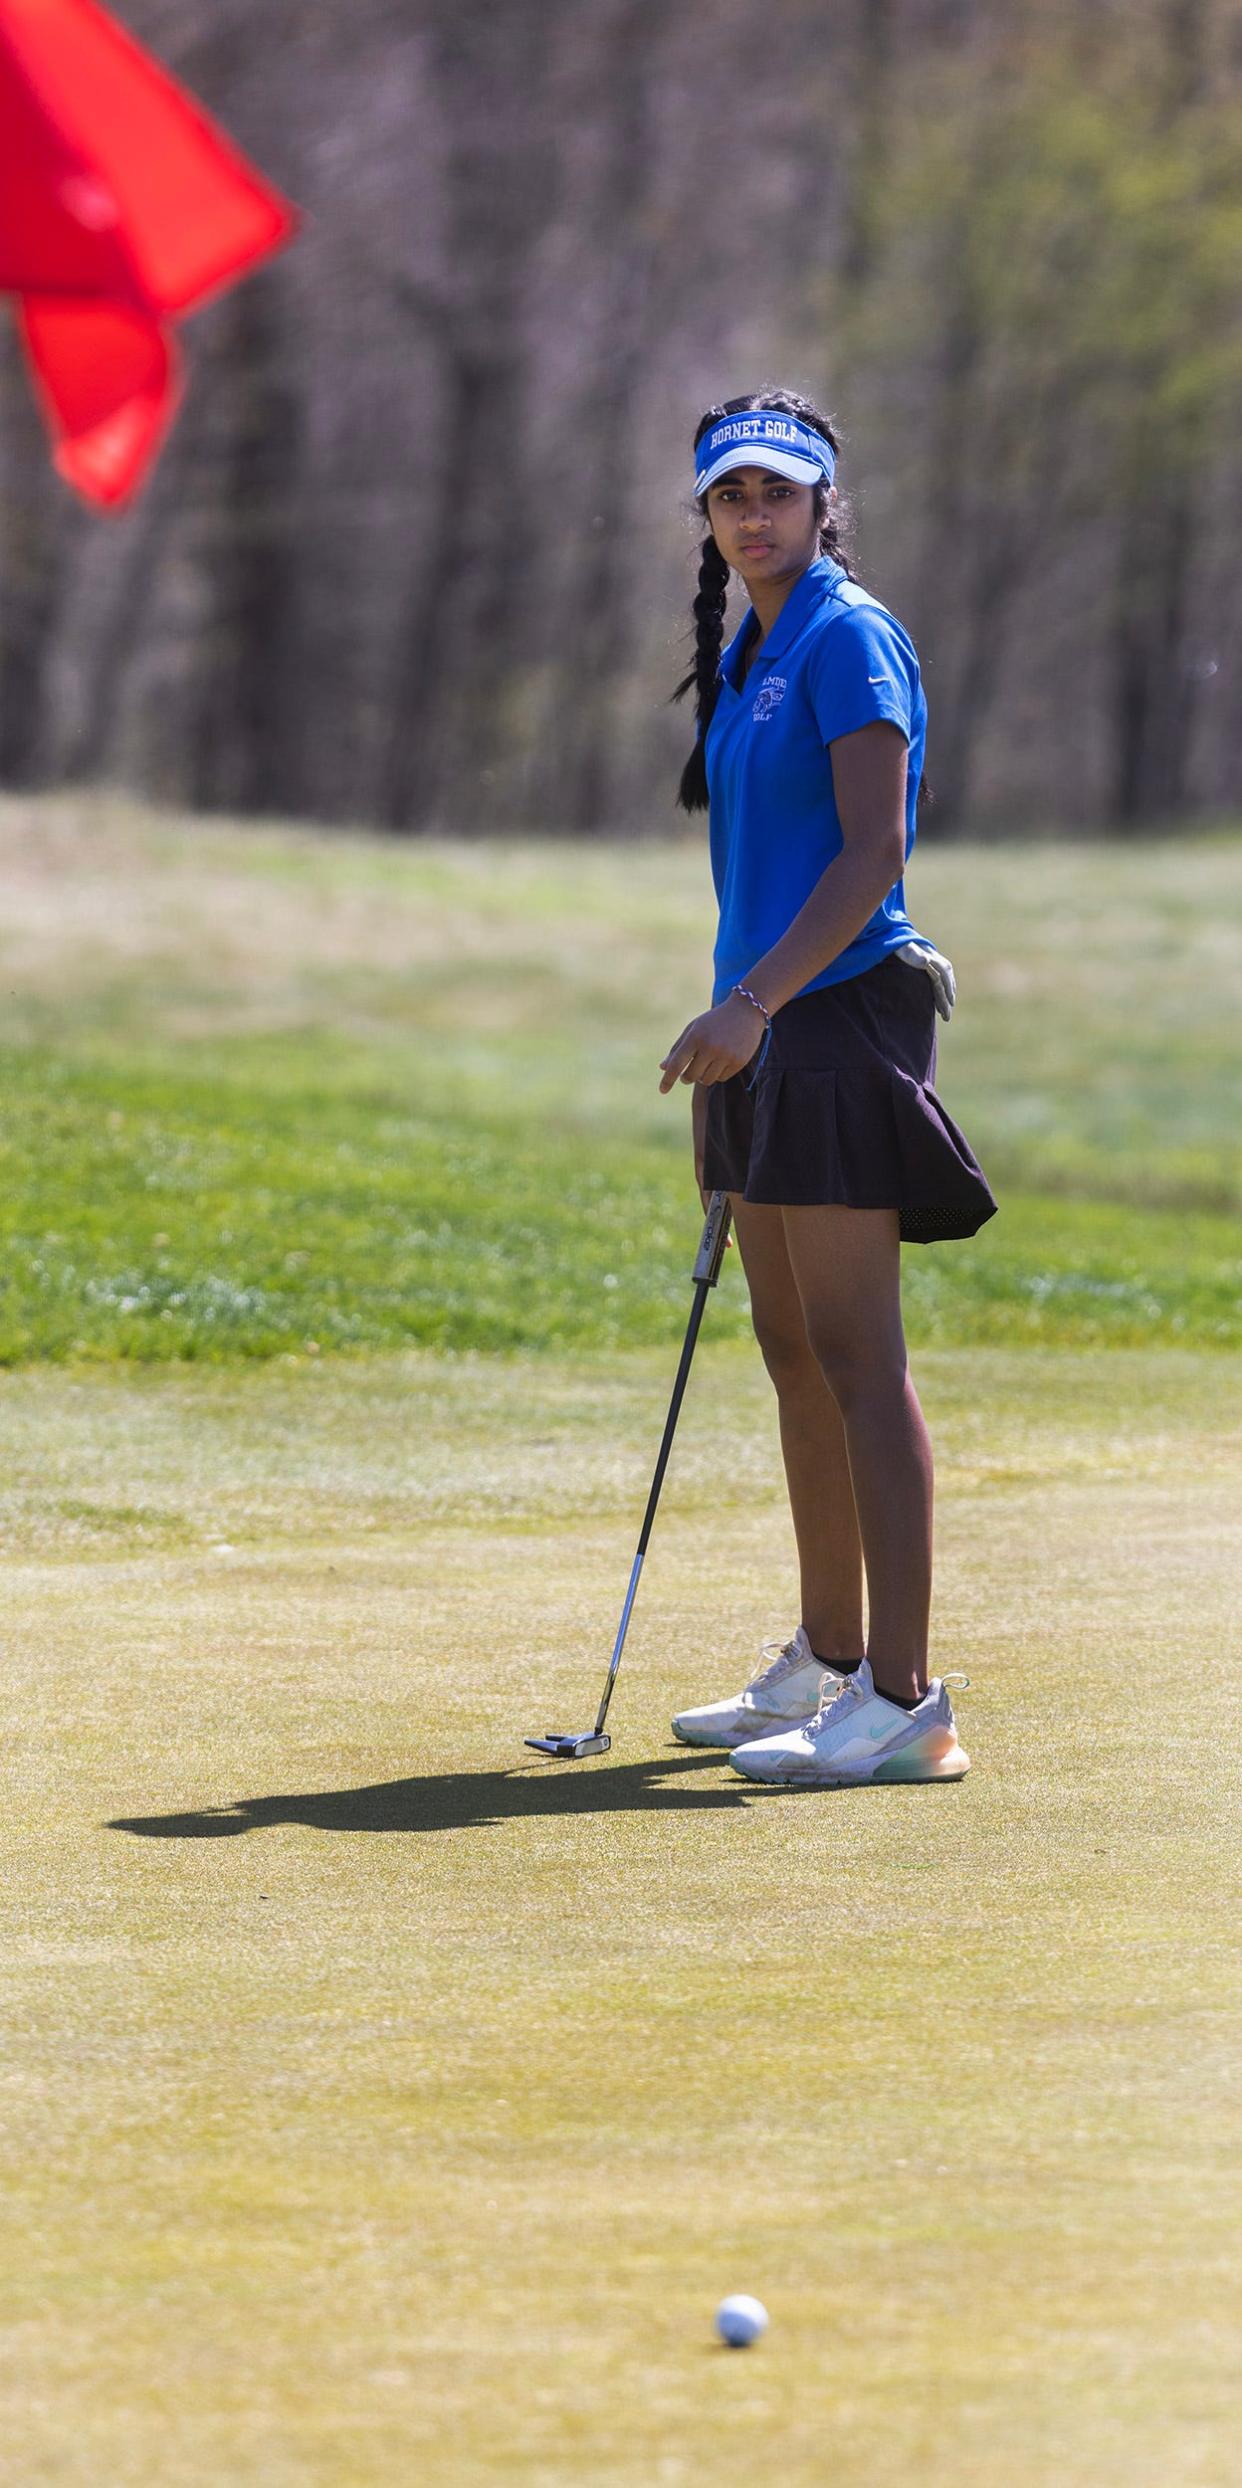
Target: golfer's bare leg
847	1268
817	1471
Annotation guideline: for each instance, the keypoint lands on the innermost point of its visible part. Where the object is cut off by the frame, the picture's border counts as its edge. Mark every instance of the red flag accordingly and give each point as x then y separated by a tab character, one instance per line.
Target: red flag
121	208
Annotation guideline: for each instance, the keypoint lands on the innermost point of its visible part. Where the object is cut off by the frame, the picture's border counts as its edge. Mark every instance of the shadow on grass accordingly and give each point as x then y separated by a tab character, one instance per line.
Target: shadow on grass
455	1800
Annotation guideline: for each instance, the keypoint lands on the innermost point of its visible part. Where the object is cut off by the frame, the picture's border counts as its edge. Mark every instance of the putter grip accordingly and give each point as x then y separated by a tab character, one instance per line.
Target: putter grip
715	1237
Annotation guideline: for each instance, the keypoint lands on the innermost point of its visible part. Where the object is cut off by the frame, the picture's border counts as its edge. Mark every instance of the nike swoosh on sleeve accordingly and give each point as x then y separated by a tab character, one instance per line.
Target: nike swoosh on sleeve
879	677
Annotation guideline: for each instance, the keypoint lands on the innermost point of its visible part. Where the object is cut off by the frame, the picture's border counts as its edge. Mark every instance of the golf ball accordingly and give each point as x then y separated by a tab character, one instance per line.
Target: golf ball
740	2320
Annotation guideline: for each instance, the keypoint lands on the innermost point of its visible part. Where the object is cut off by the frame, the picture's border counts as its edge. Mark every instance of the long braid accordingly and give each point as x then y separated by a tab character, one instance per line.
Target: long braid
703	677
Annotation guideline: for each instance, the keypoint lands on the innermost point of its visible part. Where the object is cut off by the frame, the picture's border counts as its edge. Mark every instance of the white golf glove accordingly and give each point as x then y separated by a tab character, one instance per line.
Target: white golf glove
920	954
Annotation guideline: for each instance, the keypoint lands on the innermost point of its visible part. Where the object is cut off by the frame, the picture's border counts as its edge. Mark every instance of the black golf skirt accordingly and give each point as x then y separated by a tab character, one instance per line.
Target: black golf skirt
842	1109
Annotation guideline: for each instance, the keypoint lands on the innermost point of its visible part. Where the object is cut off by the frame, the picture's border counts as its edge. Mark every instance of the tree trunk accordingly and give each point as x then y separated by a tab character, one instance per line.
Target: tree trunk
1153	682
871	117
34	553
596	635
459	644
244	747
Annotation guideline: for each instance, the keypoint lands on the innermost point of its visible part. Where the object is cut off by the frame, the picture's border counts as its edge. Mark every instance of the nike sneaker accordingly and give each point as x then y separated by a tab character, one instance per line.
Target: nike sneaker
857	1735
789	1689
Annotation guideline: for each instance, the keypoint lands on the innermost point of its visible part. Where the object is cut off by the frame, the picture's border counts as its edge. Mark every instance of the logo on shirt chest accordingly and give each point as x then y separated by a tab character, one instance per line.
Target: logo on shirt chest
771	693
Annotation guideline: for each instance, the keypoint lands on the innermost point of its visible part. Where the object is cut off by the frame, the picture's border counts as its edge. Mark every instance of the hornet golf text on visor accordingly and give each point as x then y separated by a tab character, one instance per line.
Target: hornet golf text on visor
775	441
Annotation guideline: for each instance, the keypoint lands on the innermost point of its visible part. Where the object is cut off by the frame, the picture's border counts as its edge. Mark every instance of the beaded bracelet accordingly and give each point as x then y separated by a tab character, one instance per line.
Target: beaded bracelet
748	996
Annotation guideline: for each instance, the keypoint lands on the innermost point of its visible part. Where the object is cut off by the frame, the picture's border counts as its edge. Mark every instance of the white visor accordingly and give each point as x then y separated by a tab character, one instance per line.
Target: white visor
758	454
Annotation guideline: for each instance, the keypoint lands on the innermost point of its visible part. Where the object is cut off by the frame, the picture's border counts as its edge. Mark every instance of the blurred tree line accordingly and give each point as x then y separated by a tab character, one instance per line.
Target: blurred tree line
420	550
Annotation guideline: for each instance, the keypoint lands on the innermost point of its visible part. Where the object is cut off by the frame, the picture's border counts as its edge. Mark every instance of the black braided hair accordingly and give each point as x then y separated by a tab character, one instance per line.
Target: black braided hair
703	677
713	588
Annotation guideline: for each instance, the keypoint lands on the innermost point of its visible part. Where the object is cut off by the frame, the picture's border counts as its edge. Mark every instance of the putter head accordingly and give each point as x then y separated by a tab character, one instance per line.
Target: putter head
570	1748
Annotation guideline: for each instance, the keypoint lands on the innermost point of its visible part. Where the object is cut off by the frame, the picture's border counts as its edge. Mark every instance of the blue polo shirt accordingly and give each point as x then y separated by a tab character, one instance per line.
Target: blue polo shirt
834	660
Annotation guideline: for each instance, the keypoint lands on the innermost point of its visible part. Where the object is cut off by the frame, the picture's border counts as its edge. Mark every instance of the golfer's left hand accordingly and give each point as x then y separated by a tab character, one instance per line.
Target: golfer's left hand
715	1045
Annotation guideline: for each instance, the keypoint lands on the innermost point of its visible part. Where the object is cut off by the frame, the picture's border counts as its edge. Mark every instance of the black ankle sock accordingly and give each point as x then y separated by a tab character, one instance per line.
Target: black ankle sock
840	1667
850	1667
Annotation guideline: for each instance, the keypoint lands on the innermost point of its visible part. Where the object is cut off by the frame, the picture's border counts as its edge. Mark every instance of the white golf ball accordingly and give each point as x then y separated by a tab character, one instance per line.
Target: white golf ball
740	2320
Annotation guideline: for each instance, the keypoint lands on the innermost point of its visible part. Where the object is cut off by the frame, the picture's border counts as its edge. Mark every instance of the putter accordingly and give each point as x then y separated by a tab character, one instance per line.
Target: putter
705	1274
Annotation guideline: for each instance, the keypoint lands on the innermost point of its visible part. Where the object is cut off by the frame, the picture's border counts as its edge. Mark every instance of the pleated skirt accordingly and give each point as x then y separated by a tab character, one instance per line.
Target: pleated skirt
842	1109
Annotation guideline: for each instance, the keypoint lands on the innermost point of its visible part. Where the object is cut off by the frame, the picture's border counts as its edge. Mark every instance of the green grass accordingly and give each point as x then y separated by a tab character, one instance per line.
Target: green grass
258	1205
267	1093
382	2105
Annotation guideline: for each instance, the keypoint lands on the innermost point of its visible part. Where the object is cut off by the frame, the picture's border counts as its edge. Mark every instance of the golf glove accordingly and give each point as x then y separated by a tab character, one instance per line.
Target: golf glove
933	962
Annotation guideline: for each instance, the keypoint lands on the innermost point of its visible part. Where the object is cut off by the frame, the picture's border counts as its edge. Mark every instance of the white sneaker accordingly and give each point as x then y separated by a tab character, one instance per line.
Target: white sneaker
789	1689
857	1735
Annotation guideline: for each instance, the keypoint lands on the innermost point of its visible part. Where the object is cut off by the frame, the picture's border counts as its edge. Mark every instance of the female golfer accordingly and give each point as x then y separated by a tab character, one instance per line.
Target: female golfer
813	1106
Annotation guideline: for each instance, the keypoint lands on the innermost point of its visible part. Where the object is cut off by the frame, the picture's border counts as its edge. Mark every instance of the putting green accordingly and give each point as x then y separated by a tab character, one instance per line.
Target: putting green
386	2106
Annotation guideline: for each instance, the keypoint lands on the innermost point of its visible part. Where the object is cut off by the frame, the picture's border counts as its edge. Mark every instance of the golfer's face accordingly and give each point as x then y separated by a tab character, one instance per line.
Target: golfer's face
764	526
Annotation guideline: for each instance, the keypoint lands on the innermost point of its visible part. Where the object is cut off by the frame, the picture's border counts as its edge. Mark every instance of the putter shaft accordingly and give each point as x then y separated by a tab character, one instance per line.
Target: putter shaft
706	1272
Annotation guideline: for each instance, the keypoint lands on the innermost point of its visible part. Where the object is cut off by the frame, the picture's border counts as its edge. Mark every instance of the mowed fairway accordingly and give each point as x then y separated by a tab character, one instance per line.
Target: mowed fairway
383	2105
